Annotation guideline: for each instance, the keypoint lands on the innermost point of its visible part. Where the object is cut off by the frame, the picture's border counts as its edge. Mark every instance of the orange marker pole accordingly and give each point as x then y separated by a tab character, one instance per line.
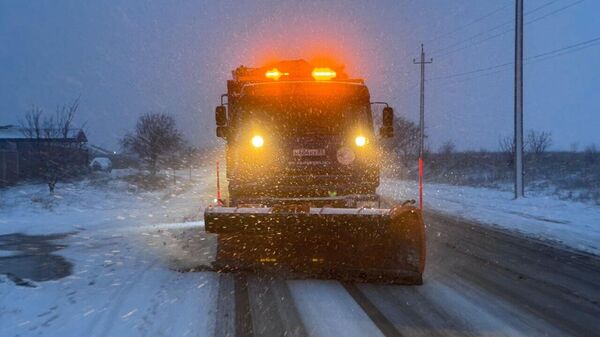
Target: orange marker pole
421	183
218	187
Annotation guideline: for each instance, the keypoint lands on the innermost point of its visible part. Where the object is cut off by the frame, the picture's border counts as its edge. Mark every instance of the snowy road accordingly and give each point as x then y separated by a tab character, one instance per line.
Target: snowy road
127	280
479	281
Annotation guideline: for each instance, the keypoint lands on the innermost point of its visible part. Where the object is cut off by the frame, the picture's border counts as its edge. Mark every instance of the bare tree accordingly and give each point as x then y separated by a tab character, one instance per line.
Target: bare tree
31	126
406	136
64	118
447	148
155	136
507	146
50	128
47	130
591	148
574	147
538	142
591	153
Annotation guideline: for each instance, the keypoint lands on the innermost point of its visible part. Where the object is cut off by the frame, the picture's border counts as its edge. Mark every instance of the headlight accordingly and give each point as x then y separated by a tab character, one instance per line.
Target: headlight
360	141
258	141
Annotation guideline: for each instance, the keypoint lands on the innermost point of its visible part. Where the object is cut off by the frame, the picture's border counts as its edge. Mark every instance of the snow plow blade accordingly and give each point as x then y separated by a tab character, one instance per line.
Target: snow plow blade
368	245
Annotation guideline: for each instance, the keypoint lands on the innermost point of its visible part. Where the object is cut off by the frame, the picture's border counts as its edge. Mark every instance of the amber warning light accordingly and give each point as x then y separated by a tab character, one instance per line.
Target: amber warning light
274	74
323	74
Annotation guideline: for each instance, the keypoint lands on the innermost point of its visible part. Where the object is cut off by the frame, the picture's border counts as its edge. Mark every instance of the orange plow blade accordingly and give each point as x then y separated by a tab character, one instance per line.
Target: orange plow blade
380	245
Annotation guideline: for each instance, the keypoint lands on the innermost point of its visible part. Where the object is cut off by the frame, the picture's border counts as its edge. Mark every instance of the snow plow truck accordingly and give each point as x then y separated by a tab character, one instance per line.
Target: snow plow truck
302	166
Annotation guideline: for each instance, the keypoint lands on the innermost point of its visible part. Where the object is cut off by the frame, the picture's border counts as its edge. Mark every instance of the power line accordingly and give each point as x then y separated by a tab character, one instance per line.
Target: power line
485	16
555	12
470	78
566	52
472	37
532	59
528	61
470	72
512	29
450	50
560	51
476	43
537	58
497	27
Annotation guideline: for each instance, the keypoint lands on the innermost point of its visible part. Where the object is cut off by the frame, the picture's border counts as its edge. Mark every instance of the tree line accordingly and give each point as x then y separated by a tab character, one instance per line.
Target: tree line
155	141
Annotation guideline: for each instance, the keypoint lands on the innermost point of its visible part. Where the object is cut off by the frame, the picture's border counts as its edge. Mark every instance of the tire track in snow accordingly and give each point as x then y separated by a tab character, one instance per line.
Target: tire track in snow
327	309
451	307
225	319
243	313
385	326
117	299
253	305
412	313
233	307
274	312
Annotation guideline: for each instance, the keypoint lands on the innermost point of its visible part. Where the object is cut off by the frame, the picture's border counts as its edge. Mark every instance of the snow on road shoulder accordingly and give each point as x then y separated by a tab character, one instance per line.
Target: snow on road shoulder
573	224
100	203
176	225
117	288
103	259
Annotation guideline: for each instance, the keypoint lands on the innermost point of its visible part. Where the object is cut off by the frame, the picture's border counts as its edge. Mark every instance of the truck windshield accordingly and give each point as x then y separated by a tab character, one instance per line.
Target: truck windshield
306	115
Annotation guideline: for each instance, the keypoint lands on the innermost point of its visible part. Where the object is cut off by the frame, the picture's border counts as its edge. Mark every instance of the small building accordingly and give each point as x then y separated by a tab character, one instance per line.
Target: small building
25	155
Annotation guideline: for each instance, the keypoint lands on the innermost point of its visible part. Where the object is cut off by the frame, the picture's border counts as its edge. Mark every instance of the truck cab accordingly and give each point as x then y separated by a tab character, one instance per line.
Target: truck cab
297	133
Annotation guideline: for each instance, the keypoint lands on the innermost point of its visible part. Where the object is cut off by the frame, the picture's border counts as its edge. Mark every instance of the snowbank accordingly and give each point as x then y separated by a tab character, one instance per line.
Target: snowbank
574	224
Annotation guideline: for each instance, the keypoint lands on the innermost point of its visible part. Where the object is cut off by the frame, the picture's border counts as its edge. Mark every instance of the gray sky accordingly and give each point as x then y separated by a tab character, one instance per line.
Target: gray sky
126	58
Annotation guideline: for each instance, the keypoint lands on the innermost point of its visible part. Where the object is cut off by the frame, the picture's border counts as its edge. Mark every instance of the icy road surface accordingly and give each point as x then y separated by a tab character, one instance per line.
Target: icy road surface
112	269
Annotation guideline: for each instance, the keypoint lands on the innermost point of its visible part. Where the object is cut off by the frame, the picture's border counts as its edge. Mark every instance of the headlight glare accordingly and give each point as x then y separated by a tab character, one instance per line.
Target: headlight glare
258	141
360	141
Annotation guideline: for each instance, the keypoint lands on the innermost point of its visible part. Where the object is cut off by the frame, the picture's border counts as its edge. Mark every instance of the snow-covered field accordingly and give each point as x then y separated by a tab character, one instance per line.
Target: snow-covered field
573	224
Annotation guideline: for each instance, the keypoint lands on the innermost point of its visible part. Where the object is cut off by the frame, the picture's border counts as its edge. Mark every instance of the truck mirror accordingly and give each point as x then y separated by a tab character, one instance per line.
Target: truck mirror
221	115
386	132
222	131
388	117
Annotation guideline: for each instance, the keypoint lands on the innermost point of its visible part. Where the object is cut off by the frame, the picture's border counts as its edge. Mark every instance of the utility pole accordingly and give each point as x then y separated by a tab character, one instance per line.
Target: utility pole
422	62
518	140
